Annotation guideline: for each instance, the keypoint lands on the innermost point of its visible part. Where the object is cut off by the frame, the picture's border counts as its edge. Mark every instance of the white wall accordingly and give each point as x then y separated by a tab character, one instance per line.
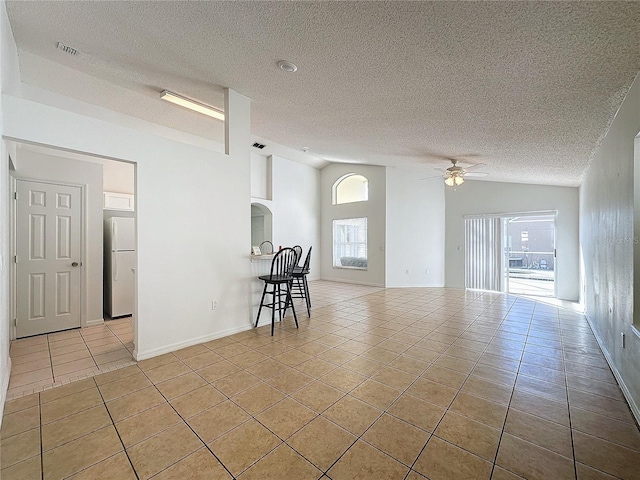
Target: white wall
80	90
415	230
36	166
193	217
294	191
10	83
478	197
374	210
53	99
295	205
261	178
607	240
118	177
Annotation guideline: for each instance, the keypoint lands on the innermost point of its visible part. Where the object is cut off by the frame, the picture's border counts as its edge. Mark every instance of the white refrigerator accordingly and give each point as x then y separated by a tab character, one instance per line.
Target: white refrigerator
119	262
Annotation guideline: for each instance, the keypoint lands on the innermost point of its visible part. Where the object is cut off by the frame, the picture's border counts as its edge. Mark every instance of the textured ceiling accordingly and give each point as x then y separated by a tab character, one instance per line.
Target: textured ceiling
527	88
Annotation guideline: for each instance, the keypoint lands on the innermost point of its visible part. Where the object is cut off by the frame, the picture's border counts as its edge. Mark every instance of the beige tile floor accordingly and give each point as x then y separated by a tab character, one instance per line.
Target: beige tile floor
55	359
378	384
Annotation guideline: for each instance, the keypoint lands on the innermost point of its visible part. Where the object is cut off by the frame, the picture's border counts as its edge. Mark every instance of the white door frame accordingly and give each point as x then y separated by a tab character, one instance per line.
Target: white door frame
15	177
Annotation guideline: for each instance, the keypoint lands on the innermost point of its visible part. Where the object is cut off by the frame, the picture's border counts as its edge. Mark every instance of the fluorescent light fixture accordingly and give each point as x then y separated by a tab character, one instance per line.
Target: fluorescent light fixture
192	104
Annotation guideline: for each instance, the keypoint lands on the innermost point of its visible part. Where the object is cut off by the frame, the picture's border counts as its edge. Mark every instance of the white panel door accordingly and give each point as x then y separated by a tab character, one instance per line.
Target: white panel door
48	251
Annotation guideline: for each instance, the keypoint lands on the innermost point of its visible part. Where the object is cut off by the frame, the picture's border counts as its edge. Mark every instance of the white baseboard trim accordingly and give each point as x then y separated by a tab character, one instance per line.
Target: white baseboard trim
340	280
97	321
4	388
635	410
138	356
426	285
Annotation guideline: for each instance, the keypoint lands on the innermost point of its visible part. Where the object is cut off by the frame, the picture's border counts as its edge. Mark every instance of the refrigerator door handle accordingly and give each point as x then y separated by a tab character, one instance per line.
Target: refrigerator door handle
115	236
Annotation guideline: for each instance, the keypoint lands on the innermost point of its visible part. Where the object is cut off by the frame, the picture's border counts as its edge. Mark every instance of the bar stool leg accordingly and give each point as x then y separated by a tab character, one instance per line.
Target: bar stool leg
293	309
264	291
273	310
306	294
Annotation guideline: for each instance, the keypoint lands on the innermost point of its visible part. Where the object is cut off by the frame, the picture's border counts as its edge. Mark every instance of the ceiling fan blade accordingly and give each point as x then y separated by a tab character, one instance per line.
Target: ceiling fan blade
475	174
475	165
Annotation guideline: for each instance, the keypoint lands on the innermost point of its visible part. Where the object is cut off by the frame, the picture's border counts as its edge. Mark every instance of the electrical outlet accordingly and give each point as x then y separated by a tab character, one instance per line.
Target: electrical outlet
214	304
407	271
427	271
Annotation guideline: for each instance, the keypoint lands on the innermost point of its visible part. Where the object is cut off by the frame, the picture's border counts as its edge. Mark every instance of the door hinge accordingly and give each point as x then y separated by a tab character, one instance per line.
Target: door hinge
15	322
15	259
555	253
15	195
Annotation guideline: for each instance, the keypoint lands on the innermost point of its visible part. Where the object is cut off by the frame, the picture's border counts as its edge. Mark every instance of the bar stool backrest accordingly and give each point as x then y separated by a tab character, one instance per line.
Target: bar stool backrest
283	264
298	250
307	261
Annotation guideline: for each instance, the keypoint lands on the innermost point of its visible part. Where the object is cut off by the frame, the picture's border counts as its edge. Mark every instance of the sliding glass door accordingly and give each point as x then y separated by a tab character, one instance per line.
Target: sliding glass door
512	253
530	254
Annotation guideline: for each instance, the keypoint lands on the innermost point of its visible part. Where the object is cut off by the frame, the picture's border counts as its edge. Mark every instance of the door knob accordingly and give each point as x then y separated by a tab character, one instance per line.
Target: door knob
74	264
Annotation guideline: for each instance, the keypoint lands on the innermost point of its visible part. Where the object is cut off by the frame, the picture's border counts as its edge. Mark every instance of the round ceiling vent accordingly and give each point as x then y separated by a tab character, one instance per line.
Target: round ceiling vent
287	66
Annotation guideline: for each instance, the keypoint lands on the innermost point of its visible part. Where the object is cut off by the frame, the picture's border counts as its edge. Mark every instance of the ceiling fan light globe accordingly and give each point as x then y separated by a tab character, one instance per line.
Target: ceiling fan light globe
458	180
449	181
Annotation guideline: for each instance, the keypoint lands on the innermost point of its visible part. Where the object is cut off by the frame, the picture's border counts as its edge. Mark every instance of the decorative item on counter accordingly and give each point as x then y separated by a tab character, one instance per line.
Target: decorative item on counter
255	250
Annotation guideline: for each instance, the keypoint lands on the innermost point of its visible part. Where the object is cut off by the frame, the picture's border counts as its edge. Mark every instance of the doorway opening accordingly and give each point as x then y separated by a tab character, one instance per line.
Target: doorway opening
261	225
513	253
93	190
530	263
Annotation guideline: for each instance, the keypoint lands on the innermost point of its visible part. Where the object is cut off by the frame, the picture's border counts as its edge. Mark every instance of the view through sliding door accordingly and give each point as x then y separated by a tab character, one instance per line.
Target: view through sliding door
530	253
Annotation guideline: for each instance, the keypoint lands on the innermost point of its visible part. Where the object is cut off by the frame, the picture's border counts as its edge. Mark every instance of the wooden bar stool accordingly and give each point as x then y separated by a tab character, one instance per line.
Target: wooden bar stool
280	279
300	287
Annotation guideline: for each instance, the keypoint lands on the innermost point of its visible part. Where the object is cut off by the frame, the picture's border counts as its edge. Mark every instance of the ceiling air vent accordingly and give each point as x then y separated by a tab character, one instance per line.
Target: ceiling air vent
67	49
258	145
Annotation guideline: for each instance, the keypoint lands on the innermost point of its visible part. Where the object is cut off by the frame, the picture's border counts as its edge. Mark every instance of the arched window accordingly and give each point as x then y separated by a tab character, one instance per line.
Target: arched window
349	188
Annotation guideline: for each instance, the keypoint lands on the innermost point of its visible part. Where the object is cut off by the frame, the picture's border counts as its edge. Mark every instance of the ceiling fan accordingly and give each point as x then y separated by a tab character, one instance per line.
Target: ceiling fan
455	175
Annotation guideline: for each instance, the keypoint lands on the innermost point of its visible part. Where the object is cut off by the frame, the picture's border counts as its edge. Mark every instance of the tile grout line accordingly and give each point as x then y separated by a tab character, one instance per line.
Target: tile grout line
185	420
566	387
287	395
385	411
388	336
68	378
504	423
53	378
41	442
453	400
113	424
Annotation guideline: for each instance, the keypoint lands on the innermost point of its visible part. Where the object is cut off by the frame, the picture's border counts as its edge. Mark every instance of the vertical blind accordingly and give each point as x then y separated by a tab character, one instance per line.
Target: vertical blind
483	253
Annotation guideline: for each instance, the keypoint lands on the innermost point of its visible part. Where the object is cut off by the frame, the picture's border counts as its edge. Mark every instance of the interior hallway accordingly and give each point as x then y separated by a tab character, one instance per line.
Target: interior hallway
379	383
